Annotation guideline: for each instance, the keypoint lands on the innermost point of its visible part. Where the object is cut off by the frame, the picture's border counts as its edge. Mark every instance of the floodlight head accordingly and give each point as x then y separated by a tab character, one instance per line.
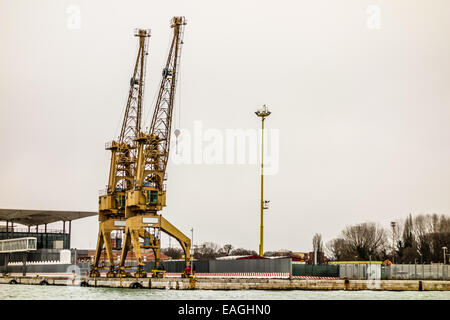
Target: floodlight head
264	112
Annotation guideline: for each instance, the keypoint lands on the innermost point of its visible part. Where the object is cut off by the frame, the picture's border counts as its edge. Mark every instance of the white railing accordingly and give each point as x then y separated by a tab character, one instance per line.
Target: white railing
18	245
108	144
103	192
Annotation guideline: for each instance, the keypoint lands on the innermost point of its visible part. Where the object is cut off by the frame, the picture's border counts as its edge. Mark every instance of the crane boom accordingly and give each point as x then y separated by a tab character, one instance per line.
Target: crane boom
162	116
155	145
132	120
122	169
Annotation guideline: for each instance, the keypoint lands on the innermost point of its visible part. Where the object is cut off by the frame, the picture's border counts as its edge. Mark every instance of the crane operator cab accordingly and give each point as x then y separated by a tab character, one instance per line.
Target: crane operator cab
146	199
112	203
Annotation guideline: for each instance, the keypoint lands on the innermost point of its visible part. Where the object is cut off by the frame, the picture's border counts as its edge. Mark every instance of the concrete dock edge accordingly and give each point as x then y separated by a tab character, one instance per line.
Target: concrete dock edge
234	284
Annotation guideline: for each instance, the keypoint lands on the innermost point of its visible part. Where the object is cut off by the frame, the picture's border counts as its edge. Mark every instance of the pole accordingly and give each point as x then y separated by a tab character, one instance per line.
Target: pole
46	236
393	244
262	113
393	240
64	234
415	268
24	263
423	269
192	250
70	232
261	236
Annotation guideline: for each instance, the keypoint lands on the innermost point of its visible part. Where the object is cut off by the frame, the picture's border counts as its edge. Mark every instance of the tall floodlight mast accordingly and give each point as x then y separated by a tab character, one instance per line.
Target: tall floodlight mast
264	204
123	161
148	195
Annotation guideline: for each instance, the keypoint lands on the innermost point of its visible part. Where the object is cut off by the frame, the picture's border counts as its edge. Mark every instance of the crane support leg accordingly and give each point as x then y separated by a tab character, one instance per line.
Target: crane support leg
126	245
155	245
98	251
131	239
135	229
104	238
140	273
184	241
157	253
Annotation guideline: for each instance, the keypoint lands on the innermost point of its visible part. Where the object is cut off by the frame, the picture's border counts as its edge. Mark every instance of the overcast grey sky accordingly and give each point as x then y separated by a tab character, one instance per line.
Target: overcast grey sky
359	91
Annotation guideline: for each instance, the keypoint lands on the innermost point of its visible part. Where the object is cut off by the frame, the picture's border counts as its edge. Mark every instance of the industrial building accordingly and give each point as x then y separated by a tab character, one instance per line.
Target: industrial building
49	245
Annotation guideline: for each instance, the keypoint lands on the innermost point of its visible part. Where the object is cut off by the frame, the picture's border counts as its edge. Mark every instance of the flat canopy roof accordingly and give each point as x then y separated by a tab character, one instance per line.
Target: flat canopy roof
38	217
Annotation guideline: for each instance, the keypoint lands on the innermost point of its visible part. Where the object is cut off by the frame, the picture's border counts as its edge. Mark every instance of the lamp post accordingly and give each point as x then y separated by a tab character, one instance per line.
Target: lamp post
263	114
420	254
393	223
192	249
445	250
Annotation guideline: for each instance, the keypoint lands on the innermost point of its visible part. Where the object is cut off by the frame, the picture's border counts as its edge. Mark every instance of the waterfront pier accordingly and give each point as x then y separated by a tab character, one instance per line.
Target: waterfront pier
233	283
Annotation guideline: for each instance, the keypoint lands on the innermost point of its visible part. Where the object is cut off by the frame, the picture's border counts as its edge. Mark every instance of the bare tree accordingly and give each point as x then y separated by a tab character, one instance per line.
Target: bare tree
278	253
418	238
338	249
243	252
366	240
227	249
431	233
206	251
318	248
406	248
174	253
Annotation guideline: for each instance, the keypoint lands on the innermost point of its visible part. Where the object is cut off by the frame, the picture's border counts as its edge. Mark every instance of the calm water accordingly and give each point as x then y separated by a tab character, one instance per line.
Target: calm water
29	292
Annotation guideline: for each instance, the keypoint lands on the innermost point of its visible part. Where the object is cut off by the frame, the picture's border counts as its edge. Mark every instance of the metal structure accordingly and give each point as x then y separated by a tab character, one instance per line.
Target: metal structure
18	245
123	161
263	114
393	224
16	219
136	190
148	195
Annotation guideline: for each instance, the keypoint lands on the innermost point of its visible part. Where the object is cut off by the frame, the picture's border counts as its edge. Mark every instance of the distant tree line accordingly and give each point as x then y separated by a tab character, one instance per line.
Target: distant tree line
209	251
415	239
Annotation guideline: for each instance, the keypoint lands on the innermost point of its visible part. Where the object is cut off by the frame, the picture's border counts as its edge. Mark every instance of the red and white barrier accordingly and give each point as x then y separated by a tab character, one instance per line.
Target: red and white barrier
264	275
242	275
314	278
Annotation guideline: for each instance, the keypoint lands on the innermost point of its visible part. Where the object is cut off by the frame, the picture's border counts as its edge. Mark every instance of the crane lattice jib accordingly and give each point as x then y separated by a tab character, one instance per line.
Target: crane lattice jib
123	169
162	117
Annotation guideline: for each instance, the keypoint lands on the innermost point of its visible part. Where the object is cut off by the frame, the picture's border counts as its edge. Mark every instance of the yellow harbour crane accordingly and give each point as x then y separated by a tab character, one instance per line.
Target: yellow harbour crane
148	195
123	162
136	189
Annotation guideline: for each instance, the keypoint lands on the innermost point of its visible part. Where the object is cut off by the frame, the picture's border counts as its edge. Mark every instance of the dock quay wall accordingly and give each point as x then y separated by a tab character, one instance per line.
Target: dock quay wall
264	268
233	284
